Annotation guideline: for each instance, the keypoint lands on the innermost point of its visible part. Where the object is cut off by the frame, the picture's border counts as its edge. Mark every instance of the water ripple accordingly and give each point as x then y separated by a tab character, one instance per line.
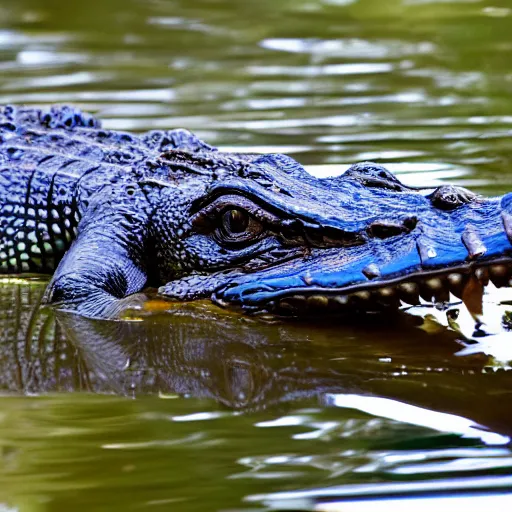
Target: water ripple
422	86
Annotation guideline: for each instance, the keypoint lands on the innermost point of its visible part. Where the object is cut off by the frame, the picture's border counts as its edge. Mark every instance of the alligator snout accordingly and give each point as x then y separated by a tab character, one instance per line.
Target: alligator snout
453	242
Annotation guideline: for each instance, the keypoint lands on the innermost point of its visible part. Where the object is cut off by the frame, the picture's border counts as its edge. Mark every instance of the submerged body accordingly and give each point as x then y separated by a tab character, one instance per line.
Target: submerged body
110	213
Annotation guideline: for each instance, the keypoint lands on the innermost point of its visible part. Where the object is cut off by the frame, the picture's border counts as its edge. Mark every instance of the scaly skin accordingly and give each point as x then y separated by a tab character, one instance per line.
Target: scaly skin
112	213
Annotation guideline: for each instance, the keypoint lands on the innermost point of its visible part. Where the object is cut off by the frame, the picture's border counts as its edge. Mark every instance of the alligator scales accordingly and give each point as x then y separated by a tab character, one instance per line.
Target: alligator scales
110	213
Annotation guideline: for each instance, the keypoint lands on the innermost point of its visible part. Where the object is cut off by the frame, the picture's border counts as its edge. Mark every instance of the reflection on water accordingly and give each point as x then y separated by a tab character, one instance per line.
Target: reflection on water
247	407
228	408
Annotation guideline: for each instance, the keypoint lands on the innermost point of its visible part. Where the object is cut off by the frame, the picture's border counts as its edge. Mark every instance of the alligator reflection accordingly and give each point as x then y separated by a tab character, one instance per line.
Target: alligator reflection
202	351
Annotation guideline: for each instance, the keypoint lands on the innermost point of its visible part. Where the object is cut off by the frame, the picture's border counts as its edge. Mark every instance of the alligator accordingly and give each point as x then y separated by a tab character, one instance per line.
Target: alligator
111	213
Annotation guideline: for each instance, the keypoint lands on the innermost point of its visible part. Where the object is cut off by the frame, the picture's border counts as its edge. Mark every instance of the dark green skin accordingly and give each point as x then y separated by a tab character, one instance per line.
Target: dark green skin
110	213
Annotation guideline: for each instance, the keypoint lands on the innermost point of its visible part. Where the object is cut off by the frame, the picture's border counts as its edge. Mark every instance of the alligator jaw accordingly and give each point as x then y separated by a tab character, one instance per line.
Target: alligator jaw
431	265
466	283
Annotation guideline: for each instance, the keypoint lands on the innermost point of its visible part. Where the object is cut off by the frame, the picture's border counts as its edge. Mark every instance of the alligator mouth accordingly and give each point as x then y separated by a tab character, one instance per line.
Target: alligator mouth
448	257
464	283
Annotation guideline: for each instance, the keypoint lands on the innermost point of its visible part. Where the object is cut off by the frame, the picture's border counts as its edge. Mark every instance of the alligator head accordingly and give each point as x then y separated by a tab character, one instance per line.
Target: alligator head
265	236
119	212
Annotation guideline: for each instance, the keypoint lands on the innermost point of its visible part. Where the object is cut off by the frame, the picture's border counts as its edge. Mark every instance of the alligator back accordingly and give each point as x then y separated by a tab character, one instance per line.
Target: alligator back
46	157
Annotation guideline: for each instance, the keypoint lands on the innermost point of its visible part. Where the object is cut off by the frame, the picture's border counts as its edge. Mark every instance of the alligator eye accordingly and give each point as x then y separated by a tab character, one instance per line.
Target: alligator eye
238	226
235	221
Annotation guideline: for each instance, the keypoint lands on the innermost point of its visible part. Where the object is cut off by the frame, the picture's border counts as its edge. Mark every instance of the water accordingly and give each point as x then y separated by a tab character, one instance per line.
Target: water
204	410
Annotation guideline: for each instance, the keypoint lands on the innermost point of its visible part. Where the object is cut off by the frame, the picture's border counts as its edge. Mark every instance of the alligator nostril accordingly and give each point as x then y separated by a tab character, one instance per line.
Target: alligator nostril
448	197
410	223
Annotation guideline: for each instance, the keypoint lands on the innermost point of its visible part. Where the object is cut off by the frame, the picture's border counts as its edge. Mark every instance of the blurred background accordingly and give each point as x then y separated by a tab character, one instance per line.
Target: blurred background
421	85
227	411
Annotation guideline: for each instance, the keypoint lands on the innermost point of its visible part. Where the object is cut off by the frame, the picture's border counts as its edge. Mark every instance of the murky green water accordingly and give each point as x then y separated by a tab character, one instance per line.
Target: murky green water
202	410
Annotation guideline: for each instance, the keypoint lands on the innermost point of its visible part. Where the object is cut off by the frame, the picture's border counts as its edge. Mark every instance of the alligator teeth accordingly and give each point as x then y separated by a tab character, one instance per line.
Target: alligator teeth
434	290
387	297
456	283
318	301
455	279
408	287
293	303
386	292
482	274
438	289
498	270
435	284
363	294
340	300
286	304
499	275
409	292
